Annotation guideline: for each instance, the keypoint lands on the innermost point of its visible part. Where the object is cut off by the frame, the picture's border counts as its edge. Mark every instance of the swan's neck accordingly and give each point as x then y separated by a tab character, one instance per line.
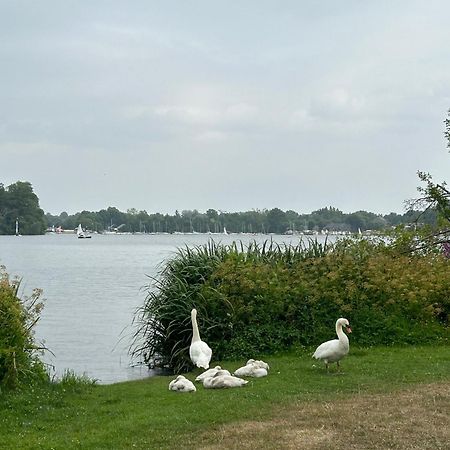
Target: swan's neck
343	339
195	333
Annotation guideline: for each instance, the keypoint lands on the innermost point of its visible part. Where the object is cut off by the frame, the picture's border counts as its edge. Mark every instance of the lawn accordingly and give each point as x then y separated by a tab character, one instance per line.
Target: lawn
396	397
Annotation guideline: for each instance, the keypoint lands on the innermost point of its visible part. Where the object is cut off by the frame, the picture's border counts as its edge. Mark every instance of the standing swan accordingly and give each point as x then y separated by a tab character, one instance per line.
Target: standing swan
199	351
334	350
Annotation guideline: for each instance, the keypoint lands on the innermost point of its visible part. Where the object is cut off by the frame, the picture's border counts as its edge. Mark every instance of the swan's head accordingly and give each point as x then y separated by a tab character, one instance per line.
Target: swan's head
194	313
344	323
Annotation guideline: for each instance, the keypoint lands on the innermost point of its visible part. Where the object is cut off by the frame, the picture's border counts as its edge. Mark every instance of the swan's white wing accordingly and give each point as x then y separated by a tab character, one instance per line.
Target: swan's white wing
331	351
244	371
251	370
324	350
208	373
200	354
258	363
187	386
227	381
259	372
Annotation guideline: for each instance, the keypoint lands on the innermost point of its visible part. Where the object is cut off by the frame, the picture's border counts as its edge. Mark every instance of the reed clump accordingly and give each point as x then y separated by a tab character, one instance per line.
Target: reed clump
265	298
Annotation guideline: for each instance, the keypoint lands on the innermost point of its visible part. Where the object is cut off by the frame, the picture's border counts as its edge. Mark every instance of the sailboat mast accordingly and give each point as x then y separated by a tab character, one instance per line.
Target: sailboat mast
17	227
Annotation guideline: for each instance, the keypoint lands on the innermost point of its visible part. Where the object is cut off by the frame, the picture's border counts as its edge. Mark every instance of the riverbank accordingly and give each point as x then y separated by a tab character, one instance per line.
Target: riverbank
383	397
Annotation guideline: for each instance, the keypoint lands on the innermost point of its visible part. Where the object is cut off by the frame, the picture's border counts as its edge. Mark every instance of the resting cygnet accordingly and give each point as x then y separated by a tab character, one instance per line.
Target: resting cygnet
211	373
182	384
222	381
253	368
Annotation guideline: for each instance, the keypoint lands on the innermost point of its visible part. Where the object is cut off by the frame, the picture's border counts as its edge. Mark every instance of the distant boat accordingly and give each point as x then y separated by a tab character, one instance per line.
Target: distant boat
225	230
17	228
81	234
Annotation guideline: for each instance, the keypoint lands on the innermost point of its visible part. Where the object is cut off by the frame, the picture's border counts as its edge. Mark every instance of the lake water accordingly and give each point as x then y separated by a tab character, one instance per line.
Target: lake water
92	288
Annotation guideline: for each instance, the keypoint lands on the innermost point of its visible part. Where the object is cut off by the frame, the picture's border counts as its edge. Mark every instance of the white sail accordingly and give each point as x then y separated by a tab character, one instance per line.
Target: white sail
81	233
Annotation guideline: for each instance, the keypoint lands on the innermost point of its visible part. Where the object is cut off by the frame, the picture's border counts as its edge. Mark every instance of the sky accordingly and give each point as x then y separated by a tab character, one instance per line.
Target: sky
236	105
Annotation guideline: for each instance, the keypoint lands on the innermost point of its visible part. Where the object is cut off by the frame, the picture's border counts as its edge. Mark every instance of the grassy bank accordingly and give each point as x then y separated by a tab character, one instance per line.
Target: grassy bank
297	405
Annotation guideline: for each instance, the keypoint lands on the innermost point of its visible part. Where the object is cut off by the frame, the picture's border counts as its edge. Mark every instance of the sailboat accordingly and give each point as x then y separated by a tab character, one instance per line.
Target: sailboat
81	234
17	228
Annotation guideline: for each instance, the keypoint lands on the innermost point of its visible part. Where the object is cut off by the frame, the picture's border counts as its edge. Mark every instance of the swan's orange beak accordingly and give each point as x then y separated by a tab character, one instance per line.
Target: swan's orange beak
348	329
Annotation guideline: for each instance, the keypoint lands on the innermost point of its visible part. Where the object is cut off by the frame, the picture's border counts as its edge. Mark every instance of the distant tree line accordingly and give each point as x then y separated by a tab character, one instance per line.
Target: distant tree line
257	221
18	203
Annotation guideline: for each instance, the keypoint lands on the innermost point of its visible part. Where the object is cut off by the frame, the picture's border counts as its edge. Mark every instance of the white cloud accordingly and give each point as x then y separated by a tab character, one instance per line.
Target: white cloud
189	114
214	116
211	136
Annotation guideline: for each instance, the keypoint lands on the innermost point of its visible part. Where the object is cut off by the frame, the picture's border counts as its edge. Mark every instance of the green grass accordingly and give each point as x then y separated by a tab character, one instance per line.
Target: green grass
145	414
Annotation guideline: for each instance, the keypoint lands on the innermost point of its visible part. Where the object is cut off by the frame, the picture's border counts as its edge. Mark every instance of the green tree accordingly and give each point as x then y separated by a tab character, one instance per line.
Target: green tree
437	195
434	197
277	222
19	203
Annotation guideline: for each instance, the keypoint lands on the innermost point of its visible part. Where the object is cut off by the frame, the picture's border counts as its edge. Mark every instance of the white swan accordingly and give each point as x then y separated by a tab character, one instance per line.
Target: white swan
182	384
211	373
253	368
199	351
223	381
334	350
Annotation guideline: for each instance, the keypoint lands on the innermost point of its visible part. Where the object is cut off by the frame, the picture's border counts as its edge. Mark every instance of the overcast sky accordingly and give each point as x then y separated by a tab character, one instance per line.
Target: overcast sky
232	105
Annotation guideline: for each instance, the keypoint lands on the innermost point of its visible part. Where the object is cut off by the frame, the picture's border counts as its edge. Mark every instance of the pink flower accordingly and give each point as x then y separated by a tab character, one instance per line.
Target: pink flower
446	247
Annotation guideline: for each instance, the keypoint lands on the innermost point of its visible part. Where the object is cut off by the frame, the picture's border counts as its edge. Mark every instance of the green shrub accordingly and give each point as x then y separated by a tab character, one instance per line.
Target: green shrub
19	362
265	298
70	379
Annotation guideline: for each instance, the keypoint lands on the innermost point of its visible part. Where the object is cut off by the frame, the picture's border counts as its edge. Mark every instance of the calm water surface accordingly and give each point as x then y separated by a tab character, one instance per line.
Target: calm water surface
92	288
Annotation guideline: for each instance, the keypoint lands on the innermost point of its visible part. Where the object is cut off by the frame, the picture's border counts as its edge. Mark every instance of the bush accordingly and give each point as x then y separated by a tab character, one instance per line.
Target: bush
19	362
263	299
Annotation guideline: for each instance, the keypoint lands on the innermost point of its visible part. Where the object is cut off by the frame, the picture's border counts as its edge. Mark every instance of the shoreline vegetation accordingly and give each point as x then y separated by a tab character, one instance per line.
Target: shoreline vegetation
20	213
327	220
263	298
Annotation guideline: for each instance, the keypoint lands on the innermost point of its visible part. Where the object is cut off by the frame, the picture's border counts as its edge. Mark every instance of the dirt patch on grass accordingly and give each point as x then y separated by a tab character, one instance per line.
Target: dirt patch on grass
415	419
